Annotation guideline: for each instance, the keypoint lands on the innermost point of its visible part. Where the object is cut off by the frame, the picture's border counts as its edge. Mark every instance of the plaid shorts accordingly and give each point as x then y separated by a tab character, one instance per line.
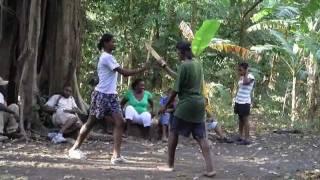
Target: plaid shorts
103	105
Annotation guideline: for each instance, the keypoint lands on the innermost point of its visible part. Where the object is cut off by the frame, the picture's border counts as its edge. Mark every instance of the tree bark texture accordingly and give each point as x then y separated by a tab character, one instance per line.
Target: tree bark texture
39	49
312	69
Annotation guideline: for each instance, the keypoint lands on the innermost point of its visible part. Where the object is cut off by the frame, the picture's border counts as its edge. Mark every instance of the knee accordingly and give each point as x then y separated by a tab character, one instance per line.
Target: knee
119	122
72	121
86	126
14	108
120	125
147	119
147	116
78	124
129	108
203	142
129	112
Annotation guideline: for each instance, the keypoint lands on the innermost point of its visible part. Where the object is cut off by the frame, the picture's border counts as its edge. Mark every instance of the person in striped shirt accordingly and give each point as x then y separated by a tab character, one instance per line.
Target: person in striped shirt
243	102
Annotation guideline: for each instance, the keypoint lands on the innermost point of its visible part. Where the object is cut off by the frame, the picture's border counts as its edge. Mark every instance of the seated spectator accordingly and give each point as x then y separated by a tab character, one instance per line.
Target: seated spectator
65	110
213	124
165	117
138	100
9	115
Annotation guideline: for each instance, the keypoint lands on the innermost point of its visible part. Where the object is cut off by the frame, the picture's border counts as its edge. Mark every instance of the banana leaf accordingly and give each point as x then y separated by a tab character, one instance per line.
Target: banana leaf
204	36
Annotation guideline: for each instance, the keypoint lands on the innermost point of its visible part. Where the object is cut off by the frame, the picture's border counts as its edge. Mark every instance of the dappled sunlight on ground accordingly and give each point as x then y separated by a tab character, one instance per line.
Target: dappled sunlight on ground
272	156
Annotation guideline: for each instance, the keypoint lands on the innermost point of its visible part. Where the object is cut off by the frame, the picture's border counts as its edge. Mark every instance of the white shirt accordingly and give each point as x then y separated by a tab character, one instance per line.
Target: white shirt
244	91
62	103
107	76
2	99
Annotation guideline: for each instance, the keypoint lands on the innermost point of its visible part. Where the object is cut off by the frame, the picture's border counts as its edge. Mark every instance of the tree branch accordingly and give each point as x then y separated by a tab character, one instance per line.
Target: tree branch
251	8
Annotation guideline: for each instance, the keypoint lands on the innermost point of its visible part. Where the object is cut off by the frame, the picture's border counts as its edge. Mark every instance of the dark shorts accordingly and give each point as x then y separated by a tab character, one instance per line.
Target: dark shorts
165	118
242	109
103	105
185	128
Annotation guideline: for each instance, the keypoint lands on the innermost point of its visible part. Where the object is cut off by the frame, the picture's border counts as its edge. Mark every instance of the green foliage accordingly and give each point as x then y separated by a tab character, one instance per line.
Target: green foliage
279	25
312	7
282	35
261	14
204	36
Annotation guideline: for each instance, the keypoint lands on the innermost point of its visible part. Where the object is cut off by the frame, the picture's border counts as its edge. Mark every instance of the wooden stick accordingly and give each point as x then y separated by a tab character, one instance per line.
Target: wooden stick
150	42
157	57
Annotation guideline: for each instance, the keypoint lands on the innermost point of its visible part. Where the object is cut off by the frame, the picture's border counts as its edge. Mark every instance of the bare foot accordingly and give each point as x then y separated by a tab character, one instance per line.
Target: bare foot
210	174
165	168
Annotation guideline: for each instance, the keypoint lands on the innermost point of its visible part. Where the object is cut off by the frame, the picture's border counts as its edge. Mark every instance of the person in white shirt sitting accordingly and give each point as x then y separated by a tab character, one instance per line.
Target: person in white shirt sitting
9	115
65	110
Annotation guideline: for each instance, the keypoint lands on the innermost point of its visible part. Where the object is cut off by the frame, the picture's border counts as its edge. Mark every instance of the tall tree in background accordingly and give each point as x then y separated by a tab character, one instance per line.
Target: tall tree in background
40	50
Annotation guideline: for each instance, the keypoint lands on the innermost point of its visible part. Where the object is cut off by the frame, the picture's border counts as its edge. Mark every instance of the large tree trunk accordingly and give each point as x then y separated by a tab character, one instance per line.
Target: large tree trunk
39	49
312	68
28	81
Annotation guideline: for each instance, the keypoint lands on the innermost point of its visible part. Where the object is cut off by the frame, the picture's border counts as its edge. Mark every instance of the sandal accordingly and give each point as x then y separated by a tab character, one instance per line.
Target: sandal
225	140
165	168
244	142
210	174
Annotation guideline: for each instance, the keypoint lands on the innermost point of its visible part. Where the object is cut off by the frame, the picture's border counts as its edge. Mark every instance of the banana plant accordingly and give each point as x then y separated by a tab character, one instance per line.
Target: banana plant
299	46
220	45
293	55
204	36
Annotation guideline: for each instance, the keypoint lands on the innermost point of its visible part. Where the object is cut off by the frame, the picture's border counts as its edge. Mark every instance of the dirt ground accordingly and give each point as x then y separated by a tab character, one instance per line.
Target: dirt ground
271	156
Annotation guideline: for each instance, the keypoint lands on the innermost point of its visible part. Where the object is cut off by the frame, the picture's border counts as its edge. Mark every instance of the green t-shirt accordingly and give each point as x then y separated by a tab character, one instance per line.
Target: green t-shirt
140	106
188	85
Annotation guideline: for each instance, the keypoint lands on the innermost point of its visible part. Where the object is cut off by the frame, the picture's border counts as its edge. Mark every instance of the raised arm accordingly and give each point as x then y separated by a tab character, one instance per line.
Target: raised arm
131	72
171	72
247	80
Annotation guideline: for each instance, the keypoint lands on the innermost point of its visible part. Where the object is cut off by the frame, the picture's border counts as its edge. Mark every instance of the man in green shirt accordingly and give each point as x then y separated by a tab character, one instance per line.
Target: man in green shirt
190	111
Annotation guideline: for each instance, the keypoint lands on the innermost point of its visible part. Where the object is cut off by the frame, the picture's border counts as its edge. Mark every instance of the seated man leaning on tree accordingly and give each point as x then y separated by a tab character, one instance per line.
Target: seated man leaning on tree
9	115
65	114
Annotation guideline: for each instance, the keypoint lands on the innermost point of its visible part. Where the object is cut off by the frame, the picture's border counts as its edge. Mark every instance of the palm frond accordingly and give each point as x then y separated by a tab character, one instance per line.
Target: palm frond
280	25
232	49
262	48
287	12
285	45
